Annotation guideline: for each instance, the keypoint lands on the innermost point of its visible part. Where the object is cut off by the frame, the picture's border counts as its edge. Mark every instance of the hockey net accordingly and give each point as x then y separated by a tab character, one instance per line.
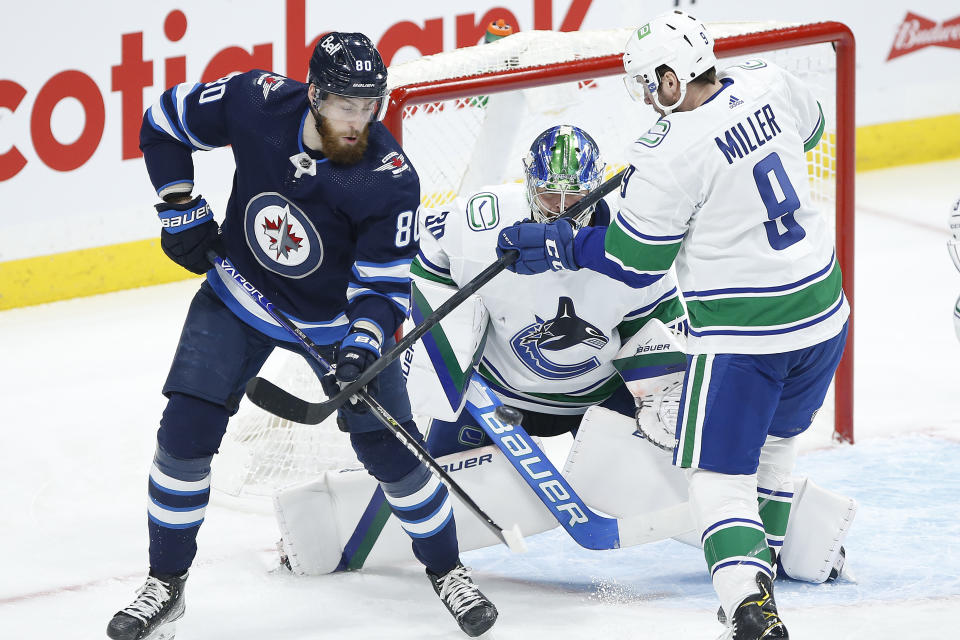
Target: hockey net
466	118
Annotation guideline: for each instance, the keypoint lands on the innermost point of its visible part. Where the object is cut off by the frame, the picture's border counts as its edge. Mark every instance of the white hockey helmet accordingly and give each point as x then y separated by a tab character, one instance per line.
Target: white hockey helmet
675	39
953	244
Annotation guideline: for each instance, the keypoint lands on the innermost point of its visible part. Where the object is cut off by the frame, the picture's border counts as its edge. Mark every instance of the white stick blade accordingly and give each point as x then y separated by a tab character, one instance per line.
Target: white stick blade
514	539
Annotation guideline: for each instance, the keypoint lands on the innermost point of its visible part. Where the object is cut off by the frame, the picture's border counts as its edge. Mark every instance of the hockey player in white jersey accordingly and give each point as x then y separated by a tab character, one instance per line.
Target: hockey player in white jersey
551	340
719	187
953	247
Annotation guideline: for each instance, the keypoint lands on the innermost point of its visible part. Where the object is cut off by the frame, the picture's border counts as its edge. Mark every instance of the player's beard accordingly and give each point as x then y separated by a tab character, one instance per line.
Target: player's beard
338	151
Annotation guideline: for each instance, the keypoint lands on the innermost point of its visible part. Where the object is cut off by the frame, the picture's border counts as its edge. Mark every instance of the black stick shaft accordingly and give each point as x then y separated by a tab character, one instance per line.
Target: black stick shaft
381	414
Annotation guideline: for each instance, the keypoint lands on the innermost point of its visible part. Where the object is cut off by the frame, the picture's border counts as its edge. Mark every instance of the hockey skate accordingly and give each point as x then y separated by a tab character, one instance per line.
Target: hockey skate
471	609
151	616
756	618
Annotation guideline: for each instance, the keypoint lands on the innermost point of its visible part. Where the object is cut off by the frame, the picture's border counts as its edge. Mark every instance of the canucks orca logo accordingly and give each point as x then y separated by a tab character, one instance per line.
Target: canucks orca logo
281	236
562	332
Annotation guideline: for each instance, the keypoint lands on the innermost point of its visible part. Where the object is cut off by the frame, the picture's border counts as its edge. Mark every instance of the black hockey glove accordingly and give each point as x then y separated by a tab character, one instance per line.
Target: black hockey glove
189	231
357	351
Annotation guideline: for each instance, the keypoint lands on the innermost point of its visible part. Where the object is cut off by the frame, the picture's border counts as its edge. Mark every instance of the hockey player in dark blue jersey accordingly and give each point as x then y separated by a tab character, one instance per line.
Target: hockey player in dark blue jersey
321	219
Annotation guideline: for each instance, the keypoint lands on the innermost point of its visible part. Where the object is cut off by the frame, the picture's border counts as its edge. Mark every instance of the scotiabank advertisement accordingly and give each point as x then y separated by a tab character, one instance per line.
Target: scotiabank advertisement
75	79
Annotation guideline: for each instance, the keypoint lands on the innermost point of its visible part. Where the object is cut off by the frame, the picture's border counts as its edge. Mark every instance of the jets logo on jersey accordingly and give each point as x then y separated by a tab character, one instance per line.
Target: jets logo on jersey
563	331
281	237
393	162
269	82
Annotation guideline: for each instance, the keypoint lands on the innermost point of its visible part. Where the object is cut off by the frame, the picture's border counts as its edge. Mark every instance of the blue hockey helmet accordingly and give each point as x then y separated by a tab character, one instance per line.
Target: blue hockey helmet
562	166
348	65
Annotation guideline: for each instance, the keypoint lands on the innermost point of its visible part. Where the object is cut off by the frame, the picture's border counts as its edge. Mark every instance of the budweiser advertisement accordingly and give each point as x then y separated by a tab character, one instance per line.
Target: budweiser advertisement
917	32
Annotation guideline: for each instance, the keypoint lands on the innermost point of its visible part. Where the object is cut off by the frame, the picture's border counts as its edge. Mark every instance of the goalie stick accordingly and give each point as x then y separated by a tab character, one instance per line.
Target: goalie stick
588	529
512	537
284	404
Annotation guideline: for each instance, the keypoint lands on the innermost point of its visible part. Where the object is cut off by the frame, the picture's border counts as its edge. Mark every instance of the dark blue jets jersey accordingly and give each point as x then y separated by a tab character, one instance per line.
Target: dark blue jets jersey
328	244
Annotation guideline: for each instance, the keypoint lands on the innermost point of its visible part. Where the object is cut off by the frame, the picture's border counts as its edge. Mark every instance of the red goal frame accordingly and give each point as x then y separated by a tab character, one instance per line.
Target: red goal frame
835	33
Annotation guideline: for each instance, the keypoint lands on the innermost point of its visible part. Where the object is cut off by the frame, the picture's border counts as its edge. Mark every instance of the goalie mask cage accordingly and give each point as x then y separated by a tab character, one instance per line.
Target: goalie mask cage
465	119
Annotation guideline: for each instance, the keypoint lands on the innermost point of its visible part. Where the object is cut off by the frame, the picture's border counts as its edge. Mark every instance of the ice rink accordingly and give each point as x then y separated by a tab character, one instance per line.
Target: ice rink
79	387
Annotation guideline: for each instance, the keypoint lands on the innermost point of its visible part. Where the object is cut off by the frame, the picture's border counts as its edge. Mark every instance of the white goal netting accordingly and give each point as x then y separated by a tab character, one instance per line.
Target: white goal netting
475	138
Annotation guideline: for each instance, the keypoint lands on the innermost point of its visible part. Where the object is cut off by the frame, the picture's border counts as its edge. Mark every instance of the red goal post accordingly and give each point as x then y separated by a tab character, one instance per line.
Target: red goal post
462	80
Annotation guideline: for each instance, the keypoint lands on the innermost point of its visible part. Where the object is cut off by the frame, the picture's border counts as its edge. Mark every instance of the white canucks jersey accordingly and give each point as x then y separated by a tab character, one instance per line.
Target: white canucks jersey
552	337
724	191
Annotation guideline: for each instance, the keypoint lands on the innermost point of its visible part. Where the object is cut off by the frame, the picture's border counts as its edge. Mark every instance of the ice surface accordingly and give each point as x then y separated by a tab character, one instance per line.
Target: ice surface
79	387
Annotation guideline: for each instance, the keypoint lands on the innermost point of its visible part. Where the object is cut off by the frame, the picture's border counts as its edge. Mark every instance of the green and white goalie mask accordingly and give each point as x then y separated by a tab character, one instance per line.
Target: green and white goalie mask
562	166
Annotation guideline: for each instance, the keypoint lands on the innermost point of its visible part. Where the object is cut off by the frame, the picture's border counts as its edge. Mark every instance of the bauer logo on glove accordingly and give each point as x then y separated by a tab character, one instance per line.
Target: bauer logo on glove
178	217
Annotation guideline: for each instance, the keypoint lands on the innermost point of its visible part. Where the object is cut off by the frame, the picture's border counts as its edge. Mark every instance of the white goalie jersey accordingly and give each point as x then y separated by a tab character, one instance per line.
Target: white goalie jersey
551	338
724	190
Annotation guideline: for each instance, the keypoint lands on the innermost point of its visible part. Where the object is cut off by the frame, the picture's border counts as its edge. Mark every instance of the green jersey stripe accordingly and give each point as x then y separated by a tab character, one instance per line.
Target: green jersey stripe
596	396
637	255
768	311
417	269
815	137
667	312
693	414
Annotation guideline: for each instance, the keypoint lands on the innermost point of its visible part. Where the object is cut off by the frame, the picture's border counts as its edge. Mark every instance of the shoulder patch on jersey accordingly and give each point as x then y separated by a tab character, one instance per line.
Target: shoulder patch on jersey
483	211
394	162
750	65
269	82
281	236
656	134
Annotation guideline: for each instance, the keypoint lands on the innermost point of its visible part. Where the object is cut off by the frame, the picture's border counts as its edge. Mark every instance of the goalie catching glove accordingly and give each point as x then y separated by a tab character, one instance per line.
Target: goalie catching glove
652	365
189	232
656	415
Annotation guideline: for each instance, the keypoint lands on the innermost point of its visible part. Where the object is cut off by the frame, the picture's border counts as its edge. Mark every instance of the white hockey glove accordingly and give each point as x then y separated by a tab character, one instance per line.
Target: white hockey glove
657	415
953	244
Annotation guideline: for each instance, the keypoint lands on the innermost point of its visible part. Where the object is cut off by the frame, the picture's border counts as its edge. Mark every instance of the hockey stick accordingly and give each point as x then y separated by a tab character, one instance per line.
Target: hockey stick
512	537
588	529
284	404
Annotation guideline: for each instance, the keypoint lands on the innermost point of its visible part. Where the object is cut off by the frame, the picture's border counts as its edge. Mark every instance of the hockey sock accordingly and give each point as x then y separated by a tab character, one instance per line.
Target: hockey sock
179	491
422	505
774	512
733	537
775	488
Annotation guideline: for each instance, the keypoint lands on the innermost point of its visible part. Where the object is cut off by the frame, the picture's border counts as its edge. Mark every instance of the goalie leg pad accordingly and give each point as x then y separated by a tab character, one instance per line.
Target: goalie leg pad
819	522
734	544
422	505
645	483
342	521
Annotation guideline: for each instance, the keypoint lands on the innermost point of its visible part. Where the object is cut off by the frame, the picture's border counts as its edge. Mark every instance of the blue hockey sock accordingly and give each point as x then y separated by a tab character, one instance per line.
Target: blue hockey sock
179	491
422	504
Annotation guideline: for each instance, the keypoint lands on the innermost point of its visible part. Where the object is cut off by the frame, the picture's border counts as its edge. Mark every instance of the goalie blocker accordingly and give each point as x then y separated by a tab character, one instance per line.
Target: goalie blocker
341	522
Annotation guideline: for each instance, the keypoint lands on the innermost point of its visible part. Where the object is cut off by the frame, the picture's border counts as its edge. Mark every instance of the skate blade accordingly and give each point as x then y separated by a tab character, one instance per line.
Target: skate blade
726	635
163	632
